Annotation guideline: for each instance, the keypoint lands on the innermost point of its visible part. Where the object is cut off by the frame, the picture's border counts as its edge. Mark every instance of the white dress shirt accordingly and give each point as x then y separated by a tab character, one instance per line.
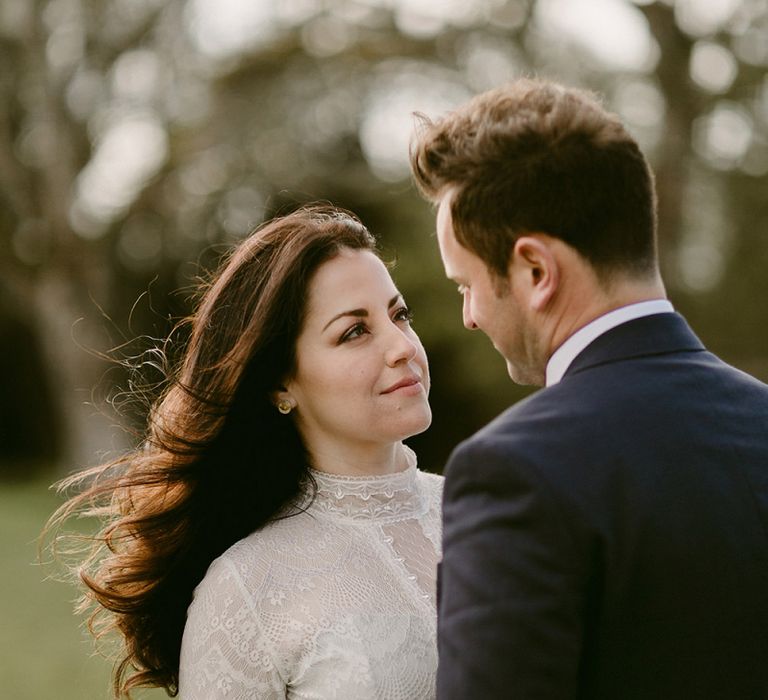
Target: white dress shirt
563	357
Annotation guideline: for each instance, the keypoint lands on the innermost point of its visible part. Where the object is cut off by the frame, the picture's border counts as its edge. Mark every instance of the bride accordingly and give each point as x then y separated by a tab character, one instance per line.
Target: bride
273	537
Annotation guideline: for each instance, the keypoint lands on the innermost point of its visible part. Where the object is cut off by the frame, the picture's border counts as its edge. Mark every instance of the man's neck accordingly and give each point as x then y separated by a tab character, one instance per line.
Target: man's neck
592	299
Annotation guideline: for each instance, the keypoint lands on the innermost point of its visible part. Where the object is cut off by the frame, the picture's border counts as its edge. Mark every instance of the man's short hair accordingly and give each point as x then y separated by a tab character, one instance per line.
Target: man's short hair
534	156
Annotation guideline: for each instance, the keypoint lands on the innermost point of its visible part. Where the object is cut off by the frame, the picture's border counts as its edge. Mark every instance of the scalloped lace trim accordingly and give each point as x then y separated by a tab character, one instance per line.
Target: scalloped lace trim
383	497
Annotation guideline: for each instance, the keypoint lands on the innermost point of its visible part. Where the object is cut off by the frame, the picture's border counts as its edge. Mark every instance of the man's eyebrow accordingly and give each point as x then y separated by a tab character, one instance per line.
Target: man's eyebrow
359	313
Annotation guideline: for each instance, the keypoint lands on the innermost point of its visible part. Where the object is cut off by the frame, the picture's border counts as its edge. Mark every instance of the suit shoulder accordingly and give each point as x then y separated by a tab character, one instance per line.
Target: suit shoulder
555	430
533	418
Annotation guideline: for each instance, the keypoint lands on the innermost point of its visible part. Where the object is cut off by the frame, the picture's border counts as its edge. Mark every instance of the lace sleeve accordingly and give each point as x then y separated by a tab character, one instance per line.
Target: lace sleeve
224	653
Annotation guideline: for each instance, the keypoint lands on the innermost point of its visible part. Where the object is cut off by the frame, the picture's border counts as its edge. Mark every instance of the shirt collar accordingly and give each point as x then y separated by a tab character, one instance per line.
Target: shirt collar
562	358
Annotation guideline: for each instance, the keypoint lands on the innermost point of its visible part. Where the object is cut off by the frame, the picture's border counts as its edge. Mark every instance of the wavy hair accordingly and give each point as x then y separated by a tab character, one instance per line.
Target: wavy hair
217	461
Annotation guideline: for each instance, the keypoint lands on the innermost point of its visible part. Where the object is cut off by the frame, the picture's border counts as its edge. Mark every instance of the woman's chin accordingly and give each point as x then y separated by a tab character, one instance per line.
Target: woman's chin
419	424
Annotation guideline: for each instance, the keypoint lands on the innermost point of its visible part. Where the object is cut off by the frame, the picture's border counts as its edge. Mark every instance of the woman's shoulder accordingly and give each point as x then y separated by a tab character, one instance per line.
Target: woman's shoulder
250	558
432	484
430	479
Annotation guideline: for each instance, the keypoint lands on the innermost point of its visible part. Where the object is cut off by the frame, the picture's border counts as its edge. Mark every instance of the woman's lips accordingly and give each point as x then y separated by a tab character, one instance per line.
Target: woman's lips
412	383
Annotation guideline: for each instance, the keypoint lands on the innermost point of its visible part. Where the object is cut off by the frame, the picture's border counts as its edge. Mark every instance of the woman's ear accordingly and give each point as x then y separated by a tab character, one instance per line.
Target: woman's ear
534	270
283	400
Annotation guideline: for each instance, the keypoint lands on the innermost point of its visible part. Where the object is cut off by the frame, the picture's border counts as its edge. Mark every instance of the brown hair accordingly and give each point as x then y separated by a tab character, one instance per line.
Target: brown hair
534	156
218	461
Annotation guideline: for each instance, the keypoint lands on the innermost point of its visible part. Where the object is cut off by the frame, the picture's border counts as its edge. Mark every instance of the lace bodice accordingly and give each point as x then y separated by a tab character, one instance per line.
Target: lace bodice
337	601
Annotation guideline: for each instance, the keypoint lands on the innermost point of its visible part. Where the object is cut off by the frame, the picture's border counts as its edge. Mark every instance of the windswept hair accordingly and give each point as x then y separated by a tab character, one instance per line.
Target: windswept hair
534	156
218	461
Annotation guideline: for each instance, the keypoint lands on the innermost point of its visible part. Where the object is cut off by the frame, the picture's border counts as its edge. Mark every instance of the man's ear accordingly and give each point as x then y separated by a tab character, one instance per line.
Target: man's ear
535	270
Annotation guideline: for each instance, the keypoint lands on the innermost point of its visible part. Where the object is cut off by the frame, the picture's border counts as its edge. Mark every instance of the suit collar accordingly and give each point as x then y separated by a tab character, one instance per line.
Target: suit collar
565	354
651	335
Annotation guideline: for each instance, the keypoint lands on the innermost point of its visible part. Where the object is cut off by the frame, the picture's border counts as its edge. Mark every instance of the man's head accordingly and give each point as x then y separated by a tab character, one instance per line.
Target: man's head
538	178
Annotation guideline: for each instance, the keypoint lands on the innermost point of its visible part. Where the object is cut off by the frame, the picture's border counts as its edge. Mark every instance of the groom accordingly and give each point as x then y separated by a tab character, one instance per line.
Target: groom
606	538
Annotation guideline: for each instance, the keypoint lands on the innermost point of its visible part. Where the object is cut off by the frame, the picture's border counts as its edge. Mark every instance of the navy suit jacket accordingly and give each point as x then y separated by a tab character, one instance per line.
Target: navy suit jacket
607	537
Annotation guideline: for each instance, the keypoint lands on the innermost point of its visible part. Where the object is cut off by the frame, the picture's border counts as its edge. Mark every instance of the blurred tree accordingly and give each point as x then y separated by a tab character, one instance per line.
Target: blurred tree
29	431
712	170
140	138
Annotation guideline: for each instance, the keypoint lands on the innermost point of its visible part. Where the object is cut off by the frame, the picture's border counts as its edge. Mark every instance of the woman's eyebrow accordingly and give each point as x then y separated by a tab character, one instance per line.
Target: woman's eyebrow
360	313
357	313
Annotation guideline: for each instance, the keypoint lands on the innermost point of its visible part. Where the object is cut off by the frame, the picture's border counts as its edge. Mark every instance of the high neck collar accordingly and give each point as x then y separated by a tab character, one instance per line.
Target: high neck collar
377	497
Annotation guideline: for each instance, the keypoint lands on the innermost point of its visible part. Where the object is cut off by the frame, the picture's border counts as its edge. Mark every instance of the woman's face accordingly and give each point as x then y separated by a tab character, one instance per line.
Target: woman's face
361	374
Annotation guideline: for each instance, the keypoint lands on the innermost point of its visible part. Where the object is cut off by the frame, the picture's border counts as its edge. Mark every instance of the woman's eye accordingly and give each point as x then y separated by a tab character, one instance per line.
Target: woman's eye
404	314
355	332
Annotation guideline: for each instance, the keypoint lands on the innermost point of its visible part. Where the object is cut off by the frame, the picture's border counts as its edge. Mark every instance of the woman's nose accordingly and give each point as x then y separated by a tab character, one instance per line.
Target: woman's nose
401	346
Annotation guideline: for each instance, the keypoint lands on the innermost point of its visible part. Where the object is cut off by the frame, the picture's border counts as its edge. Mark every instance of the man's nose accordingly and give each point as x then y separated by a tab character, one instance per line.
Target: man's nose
469	321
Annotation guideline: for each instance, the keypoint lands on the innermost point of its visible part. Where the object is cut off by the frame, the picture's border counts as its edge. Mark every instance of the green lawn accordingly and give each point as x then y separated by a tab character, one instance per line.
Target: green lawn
45	652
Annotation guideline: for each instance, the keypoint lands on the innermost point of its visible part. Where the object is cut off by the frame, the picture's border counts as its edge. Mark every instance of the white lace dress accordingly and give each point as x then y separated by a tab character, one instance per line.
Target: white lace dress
335	602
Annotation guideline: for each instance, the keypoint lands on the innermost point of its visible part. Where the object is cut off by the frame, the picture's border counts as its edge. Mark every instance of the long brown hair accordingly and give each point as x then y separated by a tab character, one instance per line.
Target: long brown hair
218	461
535	156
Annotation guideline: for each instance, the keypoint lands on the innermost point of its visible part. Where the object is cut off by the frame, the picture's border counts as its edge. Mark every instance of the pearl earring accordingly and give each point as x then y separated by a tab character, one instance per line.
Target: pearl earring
284	406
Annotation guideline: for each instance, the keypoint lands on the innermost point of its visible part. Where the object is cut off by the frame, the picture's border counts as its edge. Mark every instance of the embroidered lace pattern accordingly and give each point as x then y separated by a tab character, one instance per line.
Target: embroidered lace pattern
334	602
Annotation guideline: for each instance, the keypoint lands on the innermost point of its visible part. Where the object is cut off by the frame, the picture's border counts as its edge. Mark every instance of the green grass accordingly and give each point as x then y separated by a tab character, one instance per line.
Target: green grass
45	651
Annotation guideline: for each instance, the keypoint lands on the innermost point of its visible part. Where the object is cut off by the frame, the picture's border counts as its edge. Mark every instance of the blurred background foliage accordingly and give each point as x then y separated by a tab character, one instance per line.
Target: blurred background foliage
139	139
